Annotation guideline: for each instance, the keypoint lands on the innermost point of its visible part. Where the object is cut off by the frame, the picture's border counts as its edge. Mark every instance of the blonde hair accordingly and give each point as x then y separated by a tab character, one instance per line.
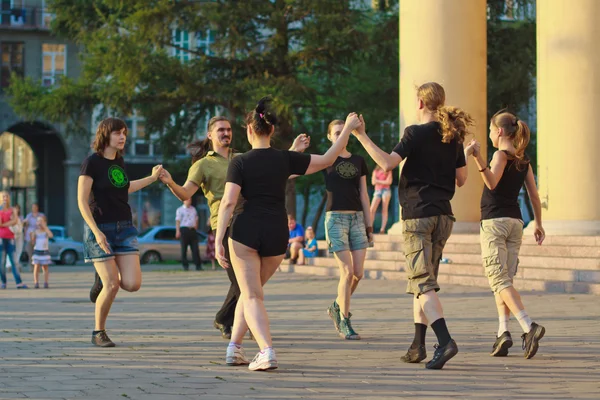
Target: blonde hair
517	131
454	121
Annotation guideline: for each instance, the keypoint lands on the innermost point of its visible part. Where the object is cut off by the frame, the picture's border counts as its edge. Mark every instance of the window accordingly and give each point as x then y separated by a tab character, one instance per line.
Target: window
181	43
12	61
47	17
165	234
54	63
139	142
204	40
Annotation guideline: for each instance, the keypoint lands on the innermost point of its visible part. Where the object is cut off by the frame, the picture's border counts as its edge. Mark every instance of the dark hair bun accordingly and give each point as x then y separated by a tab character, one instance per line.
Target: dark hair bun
263	112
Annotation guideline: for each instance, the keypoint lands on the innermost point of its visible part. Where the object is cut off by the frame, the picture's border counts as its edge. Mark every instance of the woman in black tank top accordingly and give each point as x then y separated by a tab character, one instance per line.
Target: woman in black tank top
502	225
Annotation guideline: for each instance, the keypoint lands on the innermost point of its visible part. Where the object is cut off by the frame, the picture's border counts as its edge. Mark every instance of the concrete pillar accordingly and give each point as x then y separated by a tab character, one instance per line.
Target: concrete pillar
445	41
568	78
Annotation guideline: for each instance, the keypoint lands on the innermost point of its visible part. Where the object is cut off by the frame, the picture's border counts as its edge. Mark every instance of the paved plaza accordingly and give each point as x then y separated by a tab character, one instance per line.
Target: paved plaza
168	349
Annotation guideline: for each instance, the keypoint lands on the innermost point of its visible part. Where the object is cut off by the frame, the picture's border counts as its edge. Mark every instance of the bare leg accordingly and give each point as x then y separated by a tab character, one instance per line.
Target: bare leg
431	306
109	274
374	204
253	272
130	271
418	313
344	260
512	299
36	271
295	248
358	266
301	257
46	273
384	212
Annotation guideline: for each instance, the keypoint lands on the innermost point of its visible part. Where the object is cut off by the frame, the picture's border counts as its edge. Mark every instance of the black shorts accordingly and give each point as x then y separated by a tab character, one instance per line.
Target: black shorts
267	234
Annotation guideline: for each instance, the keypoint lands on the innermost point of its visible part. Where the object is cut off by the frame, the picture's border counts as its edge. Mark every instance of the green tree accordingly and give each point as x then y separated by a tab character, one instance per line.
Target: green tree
294	50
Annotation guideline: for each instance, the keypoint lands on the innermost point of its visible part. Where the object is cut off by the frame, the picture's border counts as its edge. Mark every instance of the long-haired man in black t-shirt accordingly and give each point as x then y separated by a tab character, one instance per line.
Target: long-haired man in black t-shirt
435	164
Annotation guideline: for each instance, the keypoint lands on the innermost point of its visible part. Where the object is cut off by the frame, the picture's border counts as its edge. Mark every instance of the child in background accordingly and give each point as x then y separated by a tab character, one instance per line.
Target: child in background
311	250
41	254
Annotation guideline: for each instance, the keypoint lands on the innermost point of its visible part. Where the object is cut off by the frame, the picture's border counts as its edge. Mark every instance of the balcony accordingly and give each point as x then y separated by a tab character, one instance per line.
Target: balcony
25	18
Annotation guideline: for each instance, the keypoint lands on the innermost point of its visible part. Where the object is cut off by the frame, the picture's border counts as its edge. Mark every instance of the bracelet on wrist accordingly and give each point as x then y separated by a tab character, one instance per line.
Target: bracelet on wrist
484	168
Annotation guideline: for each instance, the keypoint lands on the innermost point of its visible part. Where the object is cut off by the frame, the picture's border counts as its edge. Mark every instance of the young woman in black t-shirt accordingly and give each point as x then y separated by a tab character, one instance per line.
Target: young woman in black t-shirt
435	165
502	225
110	238
258	236
348	227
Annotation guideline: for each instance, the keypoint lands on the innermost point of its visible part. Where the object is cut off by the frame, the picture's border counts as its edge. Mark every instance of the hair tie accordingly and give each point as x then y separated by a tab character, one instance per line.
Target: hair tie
262	116
516	120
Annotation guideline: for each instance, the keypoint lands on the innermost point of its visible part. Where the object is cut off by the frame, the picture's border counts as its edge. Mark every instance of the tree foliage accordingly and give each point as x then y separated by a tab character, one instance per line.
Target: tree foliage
319	59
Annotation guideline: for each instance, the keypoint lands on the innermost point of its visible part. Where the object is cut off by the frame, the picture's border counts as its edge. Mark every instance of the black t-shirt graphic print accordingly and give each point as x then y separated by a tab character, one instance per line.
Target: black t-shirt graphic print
342	181
110	189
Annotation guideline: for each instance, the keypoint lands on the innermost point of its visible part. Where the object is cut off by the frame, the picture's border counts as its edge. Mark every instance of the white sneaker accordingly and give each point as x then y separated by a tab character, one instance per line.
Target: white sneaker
264	361
236	356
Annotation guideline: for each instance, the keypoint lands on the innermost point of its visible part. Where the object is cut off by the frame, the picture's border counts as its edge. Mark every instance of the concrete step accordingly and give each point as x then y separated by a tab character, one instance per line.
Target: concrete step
476	270
588	241
454	278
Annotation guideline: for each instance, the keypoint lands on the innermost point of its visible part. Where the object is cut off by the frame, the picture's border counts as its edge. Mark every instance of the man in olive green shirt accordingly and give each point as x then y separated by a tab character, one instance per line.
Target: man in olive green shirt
208	172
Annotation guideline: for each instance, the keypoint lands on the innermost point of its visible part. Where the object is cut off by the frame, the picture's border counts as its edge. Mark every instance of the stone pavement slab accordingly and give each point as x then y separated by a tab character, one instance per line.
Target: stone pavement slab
168	349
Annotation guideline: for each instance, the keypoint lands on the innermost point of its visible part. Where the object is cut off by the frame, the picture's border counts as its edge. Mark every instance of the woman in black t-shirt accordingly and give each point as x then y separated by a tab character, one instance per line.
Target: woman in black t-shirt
502	225
348	227
110	238
259	235
435	164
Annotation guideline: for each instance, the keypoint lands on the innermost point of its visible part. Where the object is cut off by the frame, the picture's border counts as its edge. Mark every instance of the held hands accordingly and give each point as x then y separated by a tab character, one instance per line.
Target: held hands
156	172
165	177
473	148
220	254
301	143
539	234
352	122
362	129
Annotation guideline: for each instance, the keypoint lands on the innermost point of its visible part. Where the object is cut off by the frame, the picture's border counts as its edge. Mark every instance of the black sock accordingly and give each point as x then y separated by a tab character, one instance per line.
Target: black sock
441	331
419	340
97	332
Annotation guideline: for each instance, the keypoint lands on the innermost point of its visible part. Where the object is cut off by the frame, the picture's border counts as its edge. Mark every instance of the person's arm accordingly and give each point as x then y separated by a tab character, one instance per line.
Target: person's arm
298	239
177	229
312	248
13	219
184	192
196	221
139	184
536	203
374	180
366	206
386	161
228	202
32	236
48	232
389	179
319	162
462	174
84	188
491	175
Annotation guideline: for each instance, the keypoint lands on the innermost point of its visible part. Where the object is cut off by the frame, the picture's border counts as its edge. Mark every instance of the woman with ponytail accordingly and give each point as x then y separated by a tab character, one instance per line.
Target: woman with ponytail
210	159
502	225
435	165
258	237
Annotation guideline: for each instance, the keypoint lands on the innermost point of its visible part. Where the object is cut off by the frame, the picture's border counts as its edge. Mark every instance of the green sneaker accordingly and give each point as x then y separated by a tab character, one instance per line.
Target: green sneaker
346	331
334	313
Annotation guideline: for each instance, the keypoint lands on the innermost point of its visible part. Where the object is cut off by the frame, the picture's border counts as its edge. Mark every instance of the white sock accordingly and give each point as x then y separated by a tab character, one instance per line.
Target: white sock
524	320
503	326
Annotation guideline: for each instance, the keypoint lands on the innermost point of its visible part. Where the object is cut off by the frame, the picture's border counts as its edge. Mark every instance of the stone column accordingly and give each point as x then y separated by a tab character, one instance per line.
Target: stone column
445	41
568	97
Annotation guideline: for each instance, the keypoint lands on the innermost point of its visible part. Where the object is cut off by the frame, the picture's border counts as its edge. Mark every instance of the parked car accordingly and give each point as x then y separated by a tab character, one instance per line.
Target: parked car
159	244
63	249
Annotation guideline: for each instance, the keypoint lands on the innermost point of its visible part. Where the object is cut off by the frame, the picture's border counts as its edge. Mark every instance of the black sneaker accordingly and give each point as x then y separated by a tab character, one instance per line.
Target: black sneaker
101	339
415	355
531	339
442	355
96	288
503	343
225	330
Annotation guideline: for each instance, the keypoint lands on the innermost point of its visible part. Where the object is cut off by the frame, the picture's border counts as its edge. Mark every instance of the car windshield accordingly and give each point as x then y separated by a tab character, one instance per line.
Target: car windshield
57	232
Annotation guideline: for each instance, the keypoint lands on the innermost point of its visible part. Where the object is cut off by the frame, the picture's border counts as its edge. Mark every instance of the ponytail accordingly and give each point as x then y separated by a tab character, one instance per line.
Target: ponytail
520	141
517	131
455	123
262	118
199	149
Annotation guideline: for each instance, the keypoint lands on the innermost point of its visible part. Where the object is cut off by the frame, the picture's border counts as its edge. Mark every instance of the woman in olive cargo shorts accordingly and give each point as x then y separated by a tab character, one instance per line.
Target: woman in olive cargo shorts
502	225
435	164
